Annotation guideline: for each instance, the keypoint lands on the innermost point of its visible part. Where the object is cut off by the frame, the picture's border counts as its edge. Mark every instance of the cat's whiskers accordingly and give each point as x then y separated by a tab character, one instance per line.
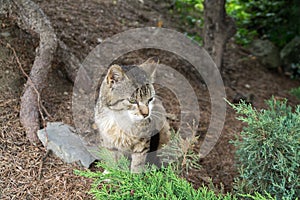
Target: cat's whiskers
158	97
158	115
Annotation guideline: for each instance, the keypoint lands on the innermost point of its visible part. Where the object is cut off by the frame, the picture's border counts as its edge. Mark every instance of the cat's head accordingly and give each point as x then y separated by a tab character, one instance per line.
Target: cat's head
129	89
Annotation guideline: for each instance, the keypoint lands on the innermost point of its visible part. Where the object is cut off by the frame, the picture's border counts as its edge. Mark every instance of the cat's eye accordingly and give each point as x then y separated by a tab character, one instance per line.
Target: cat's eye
132	101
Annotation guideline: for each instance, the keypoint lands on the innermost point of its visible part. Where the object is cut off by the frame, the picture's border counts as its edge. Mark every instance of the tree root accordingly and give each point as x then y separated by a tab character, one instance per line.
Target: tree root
32	19
70	61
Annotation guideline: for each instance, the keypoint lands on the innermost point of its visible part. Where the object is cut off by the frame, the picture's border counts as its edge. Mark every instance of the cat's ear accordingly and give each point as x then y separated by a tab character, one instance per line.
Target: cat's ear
149	66
115	74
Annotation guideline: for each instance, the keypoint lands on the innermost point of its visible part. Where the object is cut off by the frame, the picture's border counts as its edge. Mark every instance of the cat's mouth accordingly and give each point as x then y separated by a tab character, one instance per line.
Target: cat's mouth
137	115
140	113
143	110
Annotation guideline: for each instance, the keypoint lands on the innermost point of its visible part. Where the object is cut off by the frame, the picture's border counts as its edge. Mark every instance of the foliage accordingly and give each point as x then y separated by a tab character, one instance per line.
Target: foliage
276	20
295	70
295	92
153	184
269	152
180	153
257	196
165	183
191	12
238	10
190	4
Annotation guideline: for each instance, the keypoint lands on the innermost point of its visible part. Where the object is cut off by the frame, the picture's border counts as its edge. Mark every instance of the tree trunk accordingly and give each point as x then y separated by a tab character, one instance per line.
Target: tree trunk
218	29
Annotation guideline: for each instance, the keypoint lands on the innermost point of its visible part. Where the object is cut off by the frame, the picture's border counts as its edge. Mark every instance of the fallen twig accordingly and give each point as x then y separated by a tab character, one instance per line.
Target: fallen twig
40	105
42	164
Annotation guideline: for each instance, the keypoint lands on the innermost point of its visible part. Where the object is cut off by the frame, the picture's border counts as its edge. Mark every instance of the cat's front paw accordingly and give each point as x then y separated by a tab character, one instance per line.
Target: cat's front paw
139	169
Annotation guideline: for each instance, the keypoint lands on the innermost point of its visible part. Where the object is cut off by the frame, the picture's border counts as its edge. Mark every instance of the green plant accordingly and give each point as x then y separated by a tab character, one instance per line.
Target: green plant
238	10
277	20
165	183
268	152
295	71
180	153
189	4
153	184
258	196
191	12
295	92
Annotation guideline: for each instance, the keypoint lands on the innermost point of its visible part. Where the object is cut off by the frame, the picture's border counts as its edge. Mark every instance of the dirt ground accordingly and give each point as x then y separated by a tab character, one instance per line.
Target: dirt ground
26	172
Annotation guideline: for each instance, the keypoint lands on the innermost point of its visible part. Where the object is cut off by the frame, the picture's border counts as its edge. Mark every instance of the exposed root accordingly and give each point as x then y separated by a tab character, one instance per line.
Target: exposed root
71	62
32	19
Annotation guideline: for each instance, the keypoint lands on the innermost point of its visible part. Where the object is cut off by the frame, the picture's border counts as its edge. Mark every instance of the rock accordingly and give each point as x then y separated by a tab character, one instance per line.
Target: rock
65	143
266	52
290	55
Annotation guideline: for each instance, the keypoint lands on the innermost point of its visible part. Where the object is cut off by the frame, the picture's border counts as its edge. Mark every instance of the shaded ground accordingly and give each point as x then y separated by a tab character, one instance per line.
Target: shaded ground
25	171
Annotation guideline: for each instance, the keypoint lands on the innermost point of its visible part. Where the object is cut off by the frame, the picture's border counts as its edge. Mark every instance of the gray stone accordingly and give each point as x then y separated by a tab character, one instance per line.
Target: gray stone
266	52
62	140
290	54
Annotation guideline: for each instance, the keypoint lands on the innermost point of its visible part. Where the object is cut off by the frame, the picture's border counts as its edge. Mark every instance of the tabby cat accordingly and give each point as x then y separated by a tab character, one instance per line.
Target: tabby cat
130	120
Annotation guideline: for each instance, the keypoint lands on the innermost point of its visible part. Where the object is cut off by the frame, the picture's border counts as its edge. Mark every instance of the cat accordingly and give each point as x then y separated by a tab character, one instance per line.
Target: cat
129	118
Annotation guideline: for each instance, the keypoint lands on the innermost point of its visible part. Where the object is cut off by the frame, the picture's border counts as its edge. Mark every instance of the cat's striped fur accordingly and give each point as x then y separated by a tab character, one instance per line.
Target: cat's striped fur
128	115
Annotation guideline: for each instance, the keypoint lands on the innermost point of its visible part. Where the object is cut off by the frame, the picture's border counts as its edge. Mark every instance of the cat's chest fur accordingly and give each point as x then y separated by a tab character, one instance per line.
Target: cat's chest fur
115	135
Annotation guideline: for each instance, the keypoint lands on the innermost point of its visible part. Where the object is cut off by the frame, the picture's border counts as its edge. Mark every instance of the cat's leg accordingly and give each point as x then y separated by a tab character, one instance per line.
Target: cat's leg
138	162
116	156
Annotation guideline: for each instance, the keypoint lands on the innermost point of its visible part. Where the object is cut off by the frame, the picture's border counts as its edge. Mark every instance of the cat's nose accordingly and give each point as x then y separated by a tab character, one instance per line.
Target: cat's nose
144	110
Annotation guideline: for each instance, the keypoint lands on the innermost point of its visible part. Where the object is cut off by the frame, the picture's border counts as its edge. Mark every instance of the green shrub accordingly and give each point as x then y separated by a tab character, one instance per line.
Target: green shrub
257	196
191	12
237	9
153	184
187	5
276	20
295	71
295	92
268	153
180	153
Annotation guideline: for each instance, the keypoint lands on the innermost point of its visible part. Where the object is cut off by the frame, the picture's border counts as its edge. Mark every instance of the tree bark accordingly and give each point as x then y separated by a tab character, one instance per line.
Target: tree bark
71	62
32	19
218	29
